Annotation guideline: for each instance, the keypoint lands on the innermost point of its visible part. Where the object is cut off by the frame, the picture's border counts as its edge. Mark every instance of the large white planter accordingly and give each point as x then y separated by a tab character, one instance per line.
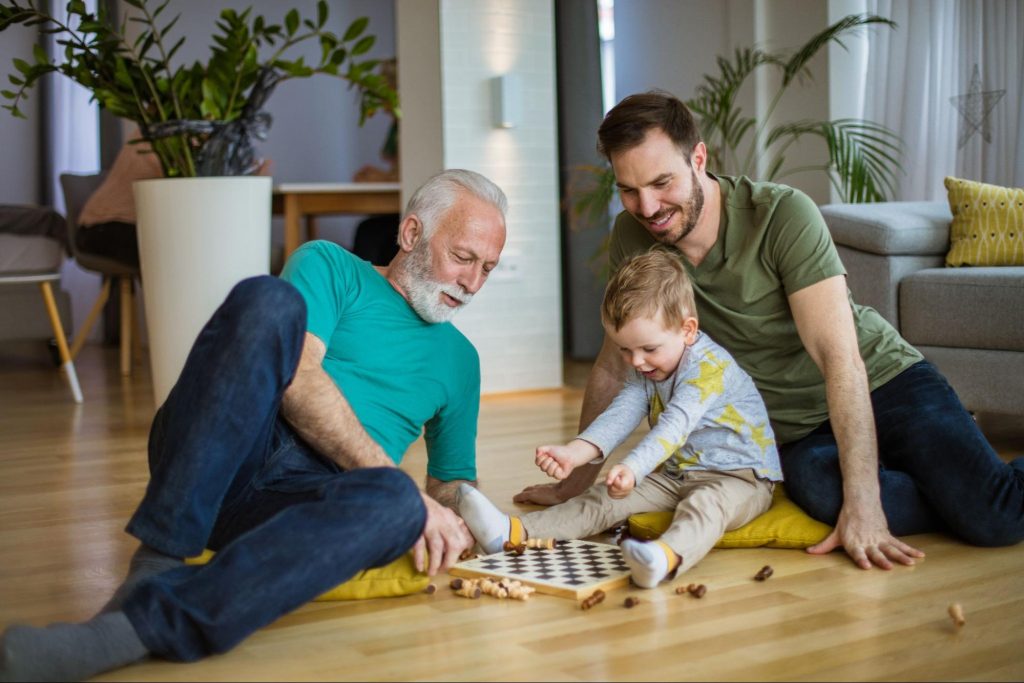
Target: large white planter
198	237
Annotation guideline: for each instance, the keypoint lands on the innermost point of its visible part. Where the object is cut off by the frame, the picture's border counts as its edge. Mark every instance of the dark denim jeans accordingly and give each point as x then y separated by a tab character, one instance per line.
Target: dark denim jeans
937	471
229	474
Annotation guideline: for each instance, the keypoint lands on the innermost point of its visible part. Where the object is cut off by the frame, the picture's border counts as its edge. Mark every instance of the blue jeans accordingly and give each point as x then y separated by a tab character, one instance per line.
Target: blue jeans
937	472
228	473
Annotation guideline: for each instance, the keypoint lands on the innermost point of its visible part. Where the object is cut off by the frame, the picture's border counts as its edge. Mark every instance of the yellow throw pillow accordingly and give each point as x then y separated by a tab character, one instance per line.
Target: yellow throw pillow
784	525
398	578
988	224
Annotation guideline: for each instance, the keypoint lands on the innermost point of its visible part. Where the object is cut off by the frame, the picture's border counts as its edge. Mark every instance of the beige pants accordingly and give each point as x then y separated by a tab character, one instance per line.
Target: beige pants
706	505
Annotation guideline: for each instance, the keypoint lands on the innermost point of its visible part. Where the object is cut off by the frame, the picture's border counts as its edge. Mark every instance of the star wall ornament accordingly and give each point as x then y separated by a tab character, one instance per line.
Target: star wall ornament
975	108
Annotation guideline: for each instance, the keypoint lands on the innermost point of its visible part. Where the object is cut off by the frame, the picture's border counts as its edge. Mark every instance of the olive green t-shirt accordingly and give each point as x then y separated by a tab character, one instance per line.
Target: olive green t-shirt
772	242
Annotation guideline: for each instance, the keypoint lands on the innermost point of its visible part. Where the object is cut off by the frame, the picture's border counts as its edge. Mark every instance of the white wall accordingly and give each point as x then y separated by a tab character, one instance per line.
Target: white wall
667	44
19	138
671	44
515	320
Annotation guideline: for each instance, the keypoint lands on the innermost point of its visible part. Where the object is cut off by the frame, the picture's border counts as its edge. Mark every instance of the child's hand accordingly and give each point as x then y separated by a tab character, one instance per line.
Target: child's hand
560	461
620	481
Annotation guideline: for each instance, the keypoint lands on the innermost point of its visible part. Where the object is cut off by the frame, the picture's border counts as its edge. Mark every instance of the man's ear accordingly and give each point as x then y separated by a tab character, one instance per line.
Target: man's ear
699	158
690	328
410	232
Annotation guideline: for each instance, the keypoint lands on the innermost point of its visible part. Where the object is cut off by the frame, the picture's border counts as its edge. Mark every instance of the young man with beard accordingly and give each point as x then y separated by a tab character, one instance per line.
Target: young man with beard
873	440
278	445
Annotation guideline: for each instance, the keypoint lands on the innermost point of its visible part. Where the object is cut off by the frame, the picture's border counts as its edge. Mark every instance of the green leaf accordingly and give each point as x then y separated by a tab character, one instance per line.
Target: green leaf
834	33
355	29
321	13
291	21
363	45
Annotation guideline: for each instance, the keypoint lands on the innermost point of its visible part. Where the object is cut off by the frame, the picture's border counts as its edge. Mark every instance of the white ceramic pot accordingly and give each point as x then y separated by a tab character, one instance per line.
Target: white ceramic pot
198	237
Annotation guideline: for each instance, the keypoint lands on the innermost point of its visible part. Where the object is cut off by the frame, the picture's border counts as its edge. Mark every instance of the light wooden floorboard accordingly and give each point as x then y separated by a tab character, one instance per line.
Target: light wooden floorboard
70	476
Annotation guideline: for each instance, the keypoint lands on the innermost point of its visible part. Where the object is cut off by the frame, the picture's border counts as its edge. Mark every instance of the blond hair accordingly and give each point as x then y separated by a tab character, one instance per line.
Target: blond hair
647	284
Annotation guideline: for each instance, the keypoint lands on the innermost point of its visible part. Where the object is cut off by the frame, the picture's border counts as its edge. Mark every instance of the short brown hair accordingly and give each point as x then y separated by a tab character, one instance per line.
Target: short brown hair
647	284
628	122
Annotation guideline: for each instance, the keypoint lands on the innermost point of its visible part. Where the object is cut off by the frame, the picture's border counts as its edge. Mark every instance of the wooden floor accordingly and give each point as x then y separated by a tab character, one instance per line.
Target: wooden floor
71	475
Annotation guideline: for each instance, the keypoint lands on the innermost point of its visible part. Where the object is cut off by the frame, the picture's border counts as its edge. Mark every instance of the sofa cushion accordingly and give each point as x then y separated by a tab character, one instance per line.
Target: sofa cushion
980	308
919	228
988	224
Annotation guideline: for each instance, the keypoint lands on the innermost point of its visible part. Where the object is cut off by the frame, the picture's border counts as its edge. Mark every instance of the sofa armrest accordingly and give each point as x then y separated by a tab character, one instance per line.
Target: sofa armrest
891	228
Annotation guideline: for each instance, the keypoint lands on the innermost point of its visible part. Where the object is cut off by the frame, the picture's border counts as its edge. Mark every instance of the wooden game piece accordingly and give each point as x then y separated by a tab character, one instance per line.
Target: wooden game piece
430	589
519	549
631	602
517	591
468	590
697	590
766	572
545	543
595	598
956	613
467	554
489	586
682	590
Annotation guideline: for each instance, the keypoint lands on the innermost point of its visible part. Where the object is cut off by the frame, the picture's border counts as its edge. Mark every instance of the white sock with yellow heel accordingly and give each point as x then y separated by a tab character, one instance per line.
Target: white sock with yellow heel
649	561
490	526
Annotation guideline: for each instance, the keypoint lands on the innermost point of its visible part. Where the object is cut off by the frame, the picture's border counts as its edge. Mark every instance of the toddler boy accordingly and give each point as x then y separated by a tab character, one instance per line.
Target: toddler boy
710	431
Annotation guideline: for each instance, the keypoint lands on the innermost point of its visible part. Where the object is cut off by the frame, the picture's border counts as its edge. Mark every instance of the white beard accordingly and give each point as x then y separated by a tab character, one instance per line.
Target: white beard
424	292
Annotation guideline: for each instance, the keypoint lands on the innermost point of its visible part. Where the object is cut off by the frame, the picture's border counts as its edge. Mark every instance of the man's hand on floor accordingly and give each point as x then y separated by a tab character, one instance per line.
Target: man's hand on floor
866	539
444	538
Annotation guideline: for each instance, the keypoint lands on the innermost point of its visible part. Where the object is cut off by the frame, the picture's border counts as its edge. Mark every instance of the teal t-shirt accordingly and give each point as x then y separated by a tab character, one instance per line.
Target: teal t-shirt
401	375
772	242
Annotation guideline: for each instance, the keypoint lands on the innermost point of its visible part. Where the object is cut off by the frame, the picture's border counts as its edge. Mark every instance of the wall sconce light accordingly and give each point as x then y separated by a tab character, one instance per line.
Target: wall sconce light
506	101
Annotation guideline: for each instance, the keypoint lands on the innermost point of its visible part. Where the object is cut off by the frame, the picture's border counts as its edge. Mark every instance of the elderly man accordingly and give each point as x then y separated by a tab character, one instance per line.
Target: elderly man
278	446
873	439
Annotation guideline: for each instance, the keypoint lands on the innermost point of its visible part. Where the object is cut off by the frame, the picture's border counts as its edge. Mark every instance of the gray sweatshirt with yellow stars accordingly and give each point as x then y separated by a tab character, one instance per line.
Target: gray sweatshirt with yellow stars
707	415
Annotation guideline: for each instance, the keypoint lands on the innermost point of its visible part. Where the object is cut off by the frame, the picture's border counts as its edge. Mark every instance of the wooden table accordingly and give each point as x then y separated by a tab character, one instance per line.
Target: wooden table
308	200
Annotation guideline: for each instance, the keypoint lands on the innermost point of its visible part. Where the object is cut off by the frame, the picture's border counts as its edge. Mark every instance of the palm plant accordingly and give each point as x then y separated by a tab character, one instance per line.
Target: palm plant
863	157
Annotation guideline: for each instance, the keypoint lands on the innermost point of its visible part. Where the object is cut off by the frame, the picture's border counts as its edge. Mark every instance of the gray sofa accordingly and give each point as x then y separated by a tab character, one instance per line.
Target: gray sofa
968	321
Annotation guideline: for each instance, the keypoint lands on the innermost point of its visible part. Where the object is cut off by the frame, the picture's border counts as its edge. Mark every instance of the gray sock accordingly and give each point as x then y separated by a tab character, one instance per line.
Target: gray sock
69	652
145	562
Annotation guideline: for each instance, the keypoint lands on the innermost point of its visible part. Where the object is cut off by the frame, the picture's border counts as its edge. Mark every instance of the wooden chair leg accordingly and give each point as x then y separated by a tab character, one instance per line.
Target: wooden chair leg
62	342
90	319
126	325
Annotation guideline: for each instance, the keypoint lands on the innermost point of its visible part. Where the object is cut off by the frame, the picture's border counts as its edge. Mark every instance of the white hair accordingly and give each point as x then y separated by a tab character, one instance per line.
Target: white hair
436	196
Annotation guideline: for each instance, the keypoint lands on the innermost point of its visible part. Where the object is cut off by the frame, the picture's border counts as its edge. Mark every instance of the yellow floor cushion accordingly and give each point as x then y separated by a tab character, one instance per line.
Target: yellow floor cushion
784	525
398	578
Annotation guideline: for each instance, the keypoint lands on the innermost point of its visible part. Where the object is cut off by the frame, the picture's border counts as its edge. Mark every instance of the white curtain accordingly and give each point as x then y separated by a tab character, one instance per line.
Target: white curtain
72	120
72	128
914	72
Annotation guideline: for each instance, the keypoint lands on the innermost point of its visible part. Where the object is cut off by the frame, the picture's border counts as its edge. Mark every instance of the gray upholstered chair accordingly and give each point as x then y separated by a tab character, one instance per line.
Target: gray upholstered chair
77	189
39	264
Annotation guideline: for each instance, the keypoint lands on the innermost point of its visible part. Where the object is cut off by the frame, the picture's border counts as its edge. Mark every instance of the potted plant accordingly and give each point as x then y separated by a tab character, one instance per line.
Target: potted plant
206	224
